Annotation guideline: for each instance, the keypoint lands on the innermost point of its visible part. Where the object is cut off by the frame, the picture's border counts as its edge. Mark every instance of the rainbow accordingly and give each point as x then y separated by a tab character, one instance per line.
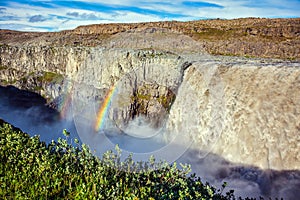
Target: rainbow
65	104
102	112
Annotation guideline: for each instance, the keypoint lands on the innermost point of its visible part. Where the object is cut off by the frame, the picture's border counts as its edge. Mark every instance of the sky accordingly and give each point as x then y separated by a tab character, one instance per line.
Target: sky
57	15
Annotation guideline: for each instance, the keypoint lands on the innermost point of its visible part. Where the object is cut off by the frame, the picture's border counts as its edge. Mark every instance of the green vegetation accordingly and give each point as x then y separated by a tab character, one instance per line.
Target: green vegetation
168	100
4	45
30	169
53	50
50	77
144	95
8	82
151	53
3	67
37	88
214	34
141	100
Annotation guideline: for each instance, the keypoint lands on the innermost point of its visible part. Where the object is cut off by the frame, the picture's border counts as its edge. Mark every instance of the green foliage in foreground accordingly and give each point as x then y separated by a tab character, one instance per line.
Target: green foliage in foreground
30	169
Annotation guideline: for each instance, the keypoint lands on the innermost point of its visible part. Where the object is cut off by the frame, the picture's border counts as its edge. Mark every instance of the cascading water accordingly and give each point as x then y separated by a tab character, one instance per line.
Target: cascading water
198	110
225	117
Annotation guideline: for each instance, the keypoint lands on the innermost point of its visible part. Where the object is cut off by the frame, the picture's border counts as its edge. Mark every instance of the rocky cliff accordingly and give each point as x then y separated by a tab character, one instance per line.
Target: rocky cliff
39	69
245	110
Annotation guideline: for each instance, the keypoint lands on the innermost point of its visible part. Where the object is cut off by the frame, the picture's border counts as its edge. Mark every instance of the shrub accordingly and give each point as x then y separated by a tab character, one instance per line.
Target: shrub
31	169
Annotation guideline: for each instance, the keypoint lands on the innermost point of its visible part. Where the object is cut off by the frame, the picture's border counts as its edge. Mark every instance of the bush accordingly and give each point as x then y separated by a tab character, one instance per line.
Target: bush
30	169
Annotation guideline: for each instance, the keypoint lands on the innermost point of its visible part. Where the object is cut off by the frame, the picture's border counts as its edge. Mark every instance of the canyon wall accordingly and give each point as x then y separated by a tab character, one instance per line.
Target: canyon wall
245	110
251	37
40	69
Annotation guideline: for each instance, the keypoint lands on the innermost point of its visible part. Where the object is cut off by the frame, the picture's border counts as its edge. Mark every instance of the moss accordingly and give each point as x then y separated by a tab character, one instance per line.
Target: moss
291	58
4	82
4	45
24	79
8	82
167	101
141	100
37	88
249	56
152	53
50	77
3	67
143	97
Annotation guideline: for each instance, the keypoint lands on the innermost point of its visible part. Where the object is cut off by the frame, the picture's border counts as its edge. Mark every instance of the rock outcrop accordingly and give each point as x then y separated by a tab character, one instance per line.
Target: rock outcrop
39	69
146	81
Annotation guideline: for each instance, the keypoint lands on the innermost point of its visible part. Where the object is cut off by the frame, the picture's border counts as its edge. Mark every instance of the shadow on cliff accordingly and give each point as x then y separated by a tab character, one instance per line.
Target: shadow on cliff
27	101
29	111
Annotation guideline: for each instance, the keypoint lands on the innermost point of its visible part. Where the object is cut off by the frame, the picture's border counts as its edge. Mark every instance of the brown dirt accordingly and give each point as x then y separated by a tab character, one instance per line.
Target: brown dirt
252	37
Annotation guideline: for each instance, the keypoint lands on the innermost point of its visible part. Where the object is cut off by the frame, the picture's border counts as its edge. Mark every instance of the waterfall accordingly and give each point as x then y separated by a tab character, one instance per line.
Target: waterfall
246	112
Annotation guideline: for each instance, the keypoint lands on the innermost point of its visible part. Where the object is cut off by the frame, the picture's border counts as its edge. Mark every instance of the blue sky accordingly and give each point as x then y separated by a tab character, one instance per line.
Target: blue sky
56	15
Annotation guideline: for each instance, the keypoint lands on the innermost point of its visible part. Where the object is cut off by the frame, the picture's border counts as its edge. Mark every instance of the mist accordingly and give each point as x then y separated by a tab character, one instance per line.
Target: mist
28	111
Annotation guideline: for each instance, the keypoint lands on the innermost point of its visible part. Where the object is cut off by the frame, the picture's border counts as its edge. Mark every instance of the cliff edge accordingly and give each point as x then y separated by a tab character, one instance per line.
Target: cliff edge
251	37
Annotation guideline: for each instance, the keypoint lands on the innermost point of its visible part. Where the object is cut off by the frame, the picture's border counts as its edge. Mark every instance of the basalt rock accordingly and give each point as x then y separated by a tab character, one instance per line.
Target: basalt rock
152	101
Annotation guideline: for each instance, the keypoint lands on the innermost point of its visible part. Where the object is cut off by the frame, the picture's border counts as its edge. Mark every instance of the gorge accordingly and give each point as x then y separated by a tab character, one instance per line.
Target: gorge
156	91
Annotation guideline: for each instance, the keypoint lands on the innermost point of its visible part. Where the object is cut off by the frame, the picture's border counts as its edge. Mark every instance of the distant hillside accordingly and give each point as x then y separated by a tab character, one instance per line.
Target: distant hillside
253	37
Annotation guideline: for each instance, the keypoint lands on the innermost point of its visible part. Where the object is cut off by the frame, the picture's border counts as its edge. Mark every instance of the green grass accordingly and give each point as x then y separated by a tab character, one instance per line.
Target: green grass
31	169
3	45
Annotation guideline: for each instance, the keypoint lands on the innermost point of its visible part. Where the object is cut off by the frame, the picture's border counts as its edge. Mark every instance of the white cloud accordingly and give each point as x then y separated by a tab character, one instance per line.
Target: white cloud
21	27
64	17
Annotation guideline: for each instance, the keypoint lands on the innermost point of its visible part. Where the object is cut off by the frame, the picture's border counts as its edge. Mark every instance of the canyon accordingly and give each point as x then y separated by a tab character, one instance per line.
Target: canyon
174	78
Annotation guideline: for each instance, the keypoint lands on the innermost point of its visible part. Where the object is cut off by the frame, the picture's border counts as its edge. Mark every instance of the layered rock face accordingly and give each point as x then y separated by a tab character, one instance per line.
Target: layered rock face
271	38
145	80
245	110
39	69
